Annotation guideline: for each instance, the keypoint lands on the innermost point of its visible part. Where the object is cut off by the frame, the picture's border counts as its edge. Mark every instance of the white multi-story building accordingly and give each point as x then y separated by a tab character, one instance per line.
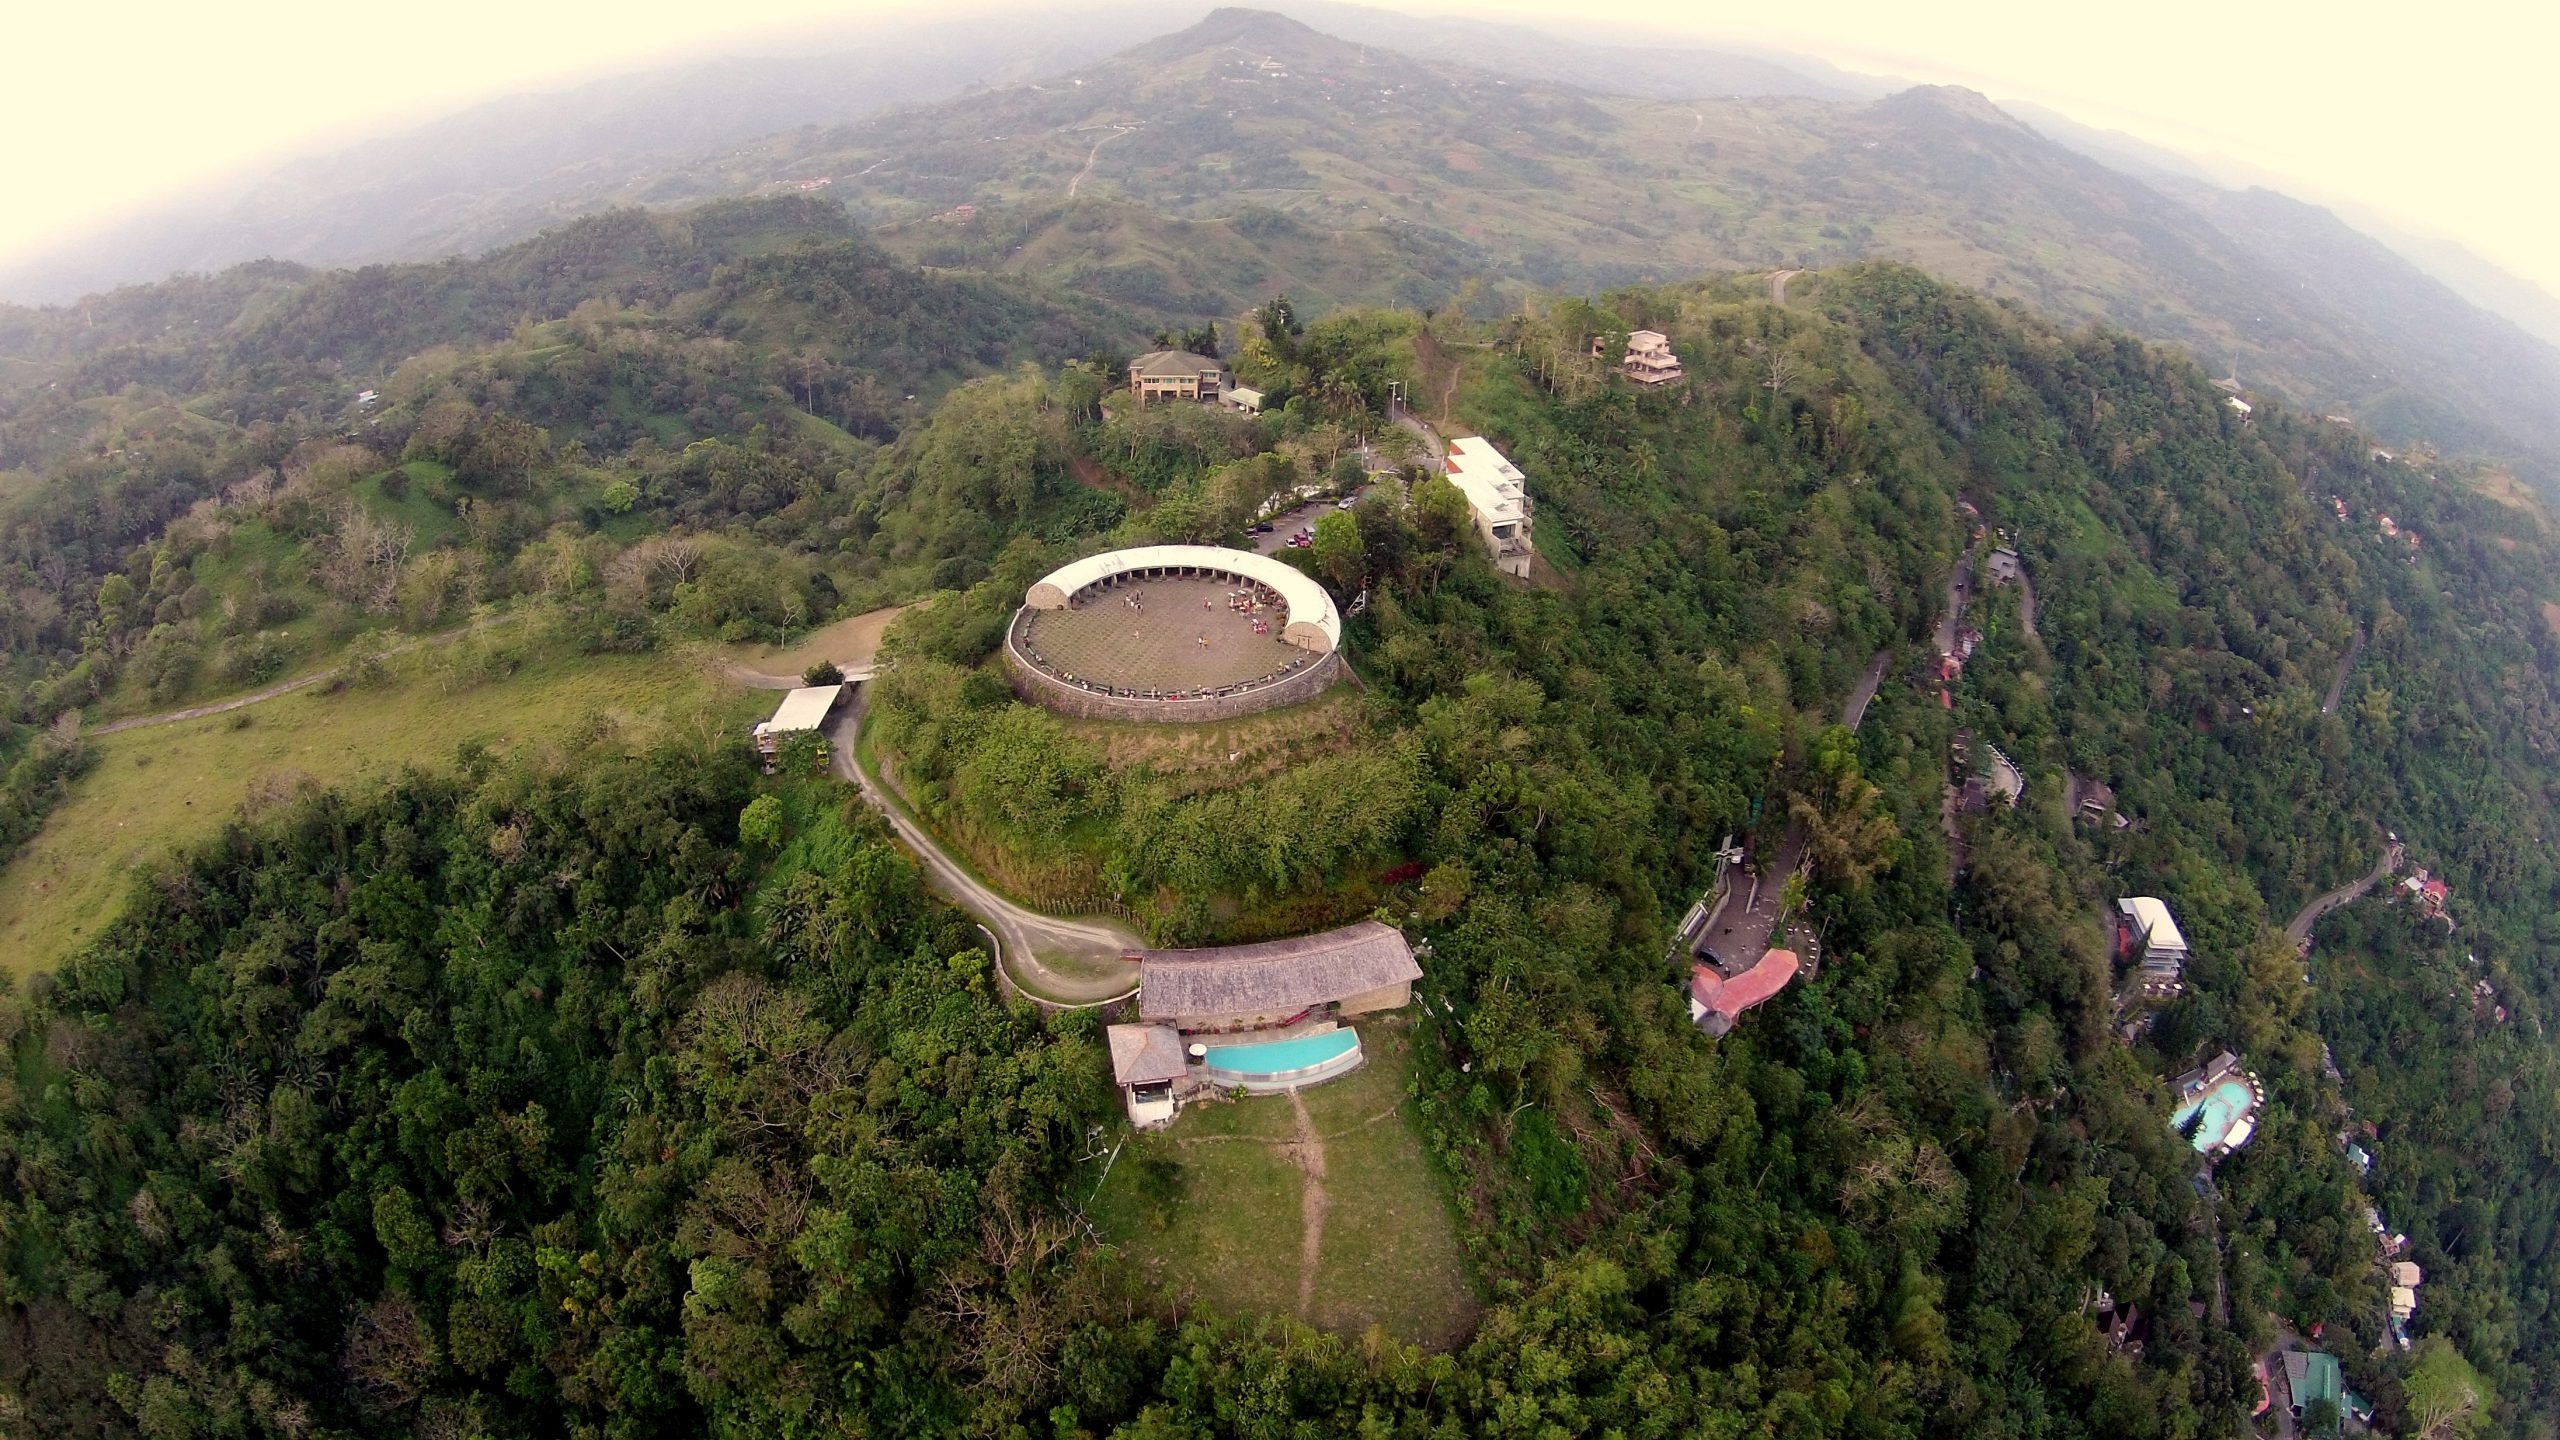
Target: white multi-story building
1498	495
2151	933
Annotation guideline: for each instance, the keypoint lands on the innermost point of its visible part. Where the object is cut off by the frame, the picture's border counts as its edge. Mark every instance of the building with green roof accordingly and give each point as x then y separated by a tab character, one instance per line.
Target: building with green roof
2311	1376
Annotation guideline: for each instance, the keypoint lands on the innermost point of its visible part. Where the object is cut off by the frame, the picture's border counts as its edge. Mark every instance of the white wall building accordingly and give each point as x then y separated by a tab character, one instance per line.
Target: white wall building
1498	495
2150	925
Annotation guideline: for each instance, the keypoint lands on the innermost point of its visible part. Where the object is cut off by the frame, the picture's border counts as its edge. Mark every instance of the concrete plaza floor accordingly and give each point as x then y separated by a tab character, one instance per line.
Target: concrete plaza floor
1104	640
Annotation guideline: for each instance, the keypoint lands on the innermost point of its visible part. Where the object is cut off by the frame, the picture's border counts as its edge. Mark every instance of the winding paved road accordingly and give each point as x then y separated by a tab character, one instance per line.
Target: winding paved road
1023	935
1959	594
2299	928
1095	155
2338	687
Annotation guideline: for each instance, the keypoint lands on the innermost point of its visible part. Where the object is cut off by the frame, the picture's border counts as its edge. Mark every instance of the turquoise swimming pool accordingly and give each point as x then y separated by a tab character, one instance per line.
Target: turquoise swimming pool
1278	1057
2225	1108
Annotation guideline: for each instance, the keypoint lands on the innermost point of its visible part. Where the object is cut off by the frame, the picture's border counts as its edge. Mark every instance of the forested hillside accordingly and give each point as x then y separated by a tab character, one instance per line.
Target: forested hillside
609	1087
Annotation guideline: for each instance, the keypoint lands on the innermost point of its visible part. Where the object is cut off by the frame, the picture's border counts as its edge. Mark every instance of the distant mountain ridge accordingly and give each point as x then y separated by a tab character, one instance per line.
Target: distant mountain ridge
497	172
1558	187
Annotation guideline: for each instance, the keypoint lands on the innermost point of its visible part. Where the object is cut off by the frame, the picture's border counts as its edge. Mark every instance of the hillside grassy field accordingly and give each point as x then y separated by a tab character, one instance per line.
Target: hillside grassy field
1231	1223
849	642
166	786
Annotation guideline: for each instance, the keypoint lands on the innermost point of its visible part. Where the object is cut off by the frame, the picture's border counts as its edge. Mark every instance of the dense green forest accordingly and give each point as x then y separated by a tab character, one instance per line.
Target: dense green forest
535	1093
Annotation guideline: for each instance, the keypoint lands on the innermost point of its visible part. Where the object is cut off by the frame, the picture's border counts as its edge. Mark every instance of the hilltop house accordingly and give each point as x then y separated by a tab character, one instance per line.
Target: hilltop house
1716	999
2429	892
2005	567
1498	498
806	708
1649	360
1146	1063
1350	971
2309	1376
1177	375
2098	804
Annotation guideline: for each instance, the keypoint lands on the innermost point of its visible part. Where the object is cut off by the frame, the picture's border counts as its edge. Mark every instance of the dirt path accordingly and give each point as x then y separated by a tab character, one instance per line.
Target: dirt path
1021	934
1095	155
1308	1150
2298	929
2027	603
287	687
1778	285
2338	687
851	645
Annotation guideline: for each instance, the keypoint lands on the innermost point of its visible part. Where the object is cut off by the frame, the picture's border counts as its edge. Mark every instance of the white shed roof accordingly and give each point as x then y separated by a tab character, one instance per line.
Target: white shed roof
1309	606
2152	918
805	708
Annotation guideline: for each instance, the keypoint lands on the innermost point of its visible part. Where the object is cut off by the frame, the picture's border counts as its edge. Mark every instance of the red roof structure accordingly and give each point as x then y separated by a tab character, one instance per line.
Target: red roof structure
1716	1000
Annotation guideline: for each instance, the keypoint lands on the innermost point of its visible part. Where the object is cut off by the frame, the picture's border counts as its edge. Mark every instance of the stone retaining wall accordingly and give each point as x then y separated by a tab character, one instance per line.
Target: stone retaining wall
1067	698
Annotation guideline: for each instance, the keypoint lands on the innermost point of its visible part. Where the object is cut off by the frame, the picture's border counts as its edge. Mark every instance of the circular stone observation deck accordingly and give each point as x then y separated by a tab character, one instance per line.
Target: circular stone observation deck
1173	634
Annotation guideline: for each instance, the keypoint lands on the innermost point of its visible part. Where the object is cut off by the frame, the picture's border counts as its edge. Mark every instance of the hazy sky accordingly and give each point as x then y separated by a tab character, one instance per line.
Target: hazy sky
2439	115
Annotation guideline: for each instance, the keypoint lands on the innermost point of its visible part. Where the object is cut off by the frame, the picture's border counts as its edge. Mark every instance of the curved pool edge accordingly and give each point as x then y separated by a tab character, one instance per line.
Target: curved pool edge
1348	1059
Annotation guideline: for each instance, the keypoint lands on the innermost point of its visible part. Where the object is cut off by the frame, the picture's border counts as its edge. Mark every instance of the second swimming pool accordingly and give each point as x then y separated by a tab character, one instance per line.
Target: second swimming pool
2225	1107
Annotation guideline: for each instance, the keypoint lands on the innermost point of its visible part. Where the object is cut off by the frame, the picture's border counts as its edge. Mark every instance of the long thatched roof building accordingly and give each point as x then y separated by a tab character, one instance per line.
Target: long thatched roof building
1349	971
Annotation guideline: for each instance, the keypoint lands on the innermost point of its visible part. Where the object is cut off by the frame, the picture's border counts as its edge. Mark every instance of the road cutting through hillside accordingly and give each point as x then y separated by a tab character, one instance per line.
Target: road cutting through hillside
1023	935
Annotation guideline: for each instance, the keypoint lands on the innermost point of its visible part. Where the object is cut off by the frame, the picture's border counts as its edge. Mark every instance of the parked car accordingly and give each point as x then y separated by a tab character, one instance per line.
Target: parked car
1345	503
1260	527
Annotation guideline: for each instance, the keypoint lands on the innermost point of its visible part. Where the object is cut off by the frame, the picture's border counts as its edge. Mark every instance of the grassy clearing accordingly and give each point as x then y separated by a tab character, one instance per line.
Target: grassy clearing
170	785
1230	752
425	504
849	643
1391	1255
1224	1226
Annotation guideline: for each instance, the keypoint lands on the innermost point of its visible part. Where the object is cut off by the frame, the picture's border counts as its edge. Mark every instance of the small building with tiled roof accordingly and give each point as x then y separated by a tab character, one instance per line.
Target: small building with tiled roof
1350	971
1716	999
1146	1063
